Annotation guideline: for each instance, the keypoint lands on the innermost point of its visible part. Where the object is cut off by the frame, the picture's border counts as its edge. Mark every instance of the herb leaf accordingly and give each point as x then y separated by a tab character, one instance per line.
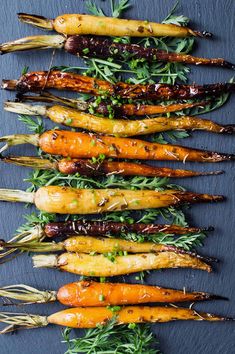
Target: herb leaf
131	339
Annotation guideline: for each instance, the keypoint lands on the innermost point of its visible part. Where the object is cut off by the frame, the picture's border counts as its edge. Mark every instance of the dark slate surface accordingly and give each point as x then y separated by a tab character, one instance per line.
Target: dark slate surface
176	338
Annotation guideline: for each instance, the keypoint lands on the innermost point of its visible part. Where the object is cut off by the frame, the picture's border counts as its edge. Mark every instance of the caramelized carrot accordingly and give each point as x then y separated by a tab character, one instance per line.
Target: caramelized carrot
80	145
66	200
117	127
118	110
86	317
90	293
93	47
36	81
89	168
108	26
101	266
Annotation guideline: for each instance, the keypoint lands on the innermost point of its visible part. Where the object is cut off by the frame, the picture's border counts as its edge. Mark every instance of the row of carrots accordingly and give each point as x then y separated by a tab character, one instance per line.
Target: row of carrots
88	245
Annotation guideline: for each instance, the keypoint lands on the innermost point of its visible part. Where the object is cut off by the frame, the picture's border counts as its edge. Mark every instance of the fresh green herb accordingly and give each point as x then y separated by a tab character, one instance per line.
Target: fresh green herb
107	339
118	8
93	9
101	297
24	70
114	309
35	126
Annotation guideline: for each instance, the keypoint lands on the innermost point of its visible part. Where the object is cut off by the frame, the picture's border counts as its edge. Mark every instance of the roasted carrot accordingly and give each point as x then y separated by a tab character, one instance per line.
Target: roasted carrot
103	108
104	228
95	47
90	293
100	266
66	200
86	227
36	81
117	127
89	244
73	24
80	145
86	317
89	168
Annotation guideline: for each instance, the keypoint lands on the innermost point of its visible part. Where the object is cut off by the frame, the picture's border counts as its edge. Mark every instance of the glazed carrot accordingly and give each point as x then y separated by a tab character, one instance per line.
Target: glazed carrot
118	110
36	81
104	228
108	26
88	244
89	168
86	317
95	47
100	266
117	127
90	293
80	145
66	200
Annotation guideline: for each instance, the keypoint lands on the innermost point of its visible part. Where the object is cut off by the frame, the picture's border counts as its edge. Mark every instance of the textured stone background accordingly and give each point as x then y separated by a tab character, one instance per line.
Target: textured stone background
175	338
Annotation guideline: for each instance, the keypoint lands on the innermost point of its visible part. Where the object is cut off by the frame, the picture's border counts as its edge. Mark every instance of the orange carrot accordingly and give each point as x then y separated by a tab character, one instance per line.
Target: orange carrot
87	317
81	145
90	293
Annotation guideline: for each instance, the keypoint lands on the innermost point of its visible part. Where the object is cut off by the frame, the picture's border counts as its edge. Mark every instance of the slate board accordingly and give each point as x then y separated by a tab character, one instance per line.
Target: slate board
175	338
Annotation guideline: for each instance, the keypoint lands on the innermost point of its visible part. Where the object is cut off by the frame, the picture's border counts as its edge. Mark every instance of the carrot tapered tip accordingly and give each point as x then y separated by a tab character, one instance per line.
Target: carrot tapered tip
217	297
203	34
209	228
228	129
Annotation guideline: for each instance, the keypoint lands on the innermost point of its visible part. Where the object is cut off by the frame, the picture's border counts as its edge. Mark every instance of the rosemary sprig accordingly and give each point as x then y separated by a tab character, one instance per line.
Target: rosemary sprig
131	339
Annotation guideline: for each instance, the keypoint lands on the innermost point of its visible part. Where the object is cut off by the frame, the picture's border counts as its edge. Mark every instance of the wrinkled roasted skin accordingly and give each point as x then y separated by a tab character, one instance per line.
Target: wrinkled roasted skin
87	168
104	245
102	228
104	49
81	145
66	200
101	266
89	293
124	128
86	317
36	81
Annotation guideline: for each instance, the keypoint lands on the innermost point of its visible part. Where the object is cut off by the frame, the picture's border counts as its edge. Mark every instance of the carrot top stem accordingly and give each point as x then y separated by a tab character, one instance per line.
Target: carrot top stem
21	320
22	108
36	21
15	195
33	42
17	139
27	294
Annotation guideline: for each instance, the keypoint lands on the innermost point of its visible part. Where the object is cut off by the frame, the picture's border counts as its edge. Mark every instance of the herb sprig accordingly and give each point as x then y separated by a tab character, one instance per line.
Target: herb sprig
131	339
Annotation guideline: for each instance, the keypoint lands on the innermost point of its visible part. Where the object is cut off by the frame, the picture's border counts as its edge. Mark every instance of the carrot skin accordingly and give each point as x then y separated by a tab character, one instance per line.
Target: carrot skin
101	228
104	48
66	200
101	266
87	168
86	317
36	81
125	128
88	293
81	145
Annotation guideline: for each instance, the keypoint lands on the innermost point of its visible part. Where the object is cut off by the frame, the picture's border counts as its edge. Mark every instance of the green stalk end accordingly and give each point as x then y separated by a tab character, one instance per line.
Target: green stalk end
45	261
35	234
33	42
33	246
15	195
31	161
18	139
21	321
26	294
22	108
36	21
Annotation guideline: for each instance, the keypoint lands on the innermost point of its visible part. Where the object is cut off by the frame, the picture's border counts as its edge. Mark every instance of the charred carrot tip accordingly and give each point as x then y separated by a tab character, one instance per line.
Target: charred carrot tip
203	34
